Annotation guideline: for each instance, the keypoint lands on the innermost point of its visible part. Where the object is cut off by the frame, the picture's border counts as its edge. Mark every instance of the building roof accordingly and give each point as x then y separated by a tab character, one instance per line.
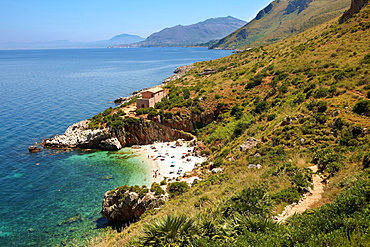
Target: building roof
154	90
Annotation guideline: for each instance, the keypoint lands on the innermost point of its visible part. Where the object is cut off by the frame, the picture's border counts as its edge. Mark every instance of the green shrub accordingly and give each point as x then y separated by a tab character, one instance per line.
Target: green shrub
299	98
366	160
271	117
327	160
288	195
321	92
249	201
156	188
237	111
107	111
362	107
261	107
366	59
177	188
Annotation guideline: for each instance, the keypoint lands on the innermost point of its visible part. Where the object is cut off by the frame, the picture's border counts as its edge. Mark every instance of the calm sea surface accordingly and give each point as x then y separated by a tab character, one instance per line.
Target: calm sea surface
48	198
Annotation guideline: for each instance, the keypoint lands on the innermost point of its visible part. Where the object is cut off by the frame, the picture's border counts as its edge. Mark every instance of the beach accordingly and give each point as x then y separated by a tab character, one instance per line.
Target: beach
170	160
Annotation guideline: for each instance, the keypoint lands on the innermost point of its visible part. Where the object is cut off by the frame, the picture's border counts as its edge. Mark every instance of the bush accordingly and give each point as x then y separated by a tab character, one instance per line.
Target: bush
317	106
156	188
261	107
362	107
366	59
288	195
271	117
249	201
327	160
366	161
177	188
237	111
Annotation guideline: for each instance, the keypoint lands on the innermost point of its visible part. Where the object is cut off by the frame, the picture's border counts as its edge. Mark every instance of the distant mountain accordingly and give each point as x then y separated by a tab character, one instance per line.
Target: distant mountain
59	44
126	39
282	19
118	39
202	32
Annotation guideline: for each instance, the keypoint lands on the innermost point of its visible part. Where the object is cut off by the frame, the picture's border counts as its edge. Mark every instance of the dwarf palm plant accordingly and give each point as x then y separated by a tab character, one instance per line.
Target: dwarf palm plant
170	231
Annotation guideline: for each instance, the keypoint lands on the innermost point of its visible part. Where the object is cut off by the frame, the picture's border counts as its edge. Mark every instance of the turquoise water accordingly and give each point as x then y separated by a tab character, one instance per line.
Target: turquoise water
51	198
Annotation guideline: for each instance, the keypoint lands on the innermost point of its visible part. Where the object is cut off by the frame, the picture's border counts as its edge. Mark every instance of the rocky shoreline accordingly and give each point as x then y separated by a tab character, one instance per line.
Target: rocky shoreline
122	204
79	135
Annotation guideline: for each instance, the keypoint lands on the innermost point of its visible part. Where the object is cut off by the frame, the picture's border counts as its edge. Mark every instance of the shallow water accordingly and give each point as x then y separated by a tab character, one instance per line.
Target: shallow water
50	198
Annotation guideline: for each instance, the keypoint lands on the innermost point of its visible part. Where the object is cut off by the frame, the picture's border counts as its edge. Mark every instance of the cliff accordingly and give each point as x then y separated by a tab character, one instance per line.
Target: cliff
356	6
137	131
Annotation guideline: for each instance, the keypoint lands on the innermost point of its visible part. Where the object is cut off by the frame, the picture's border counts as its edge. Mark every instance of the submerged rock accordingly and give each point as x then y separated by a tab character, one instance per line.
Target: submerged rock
76	218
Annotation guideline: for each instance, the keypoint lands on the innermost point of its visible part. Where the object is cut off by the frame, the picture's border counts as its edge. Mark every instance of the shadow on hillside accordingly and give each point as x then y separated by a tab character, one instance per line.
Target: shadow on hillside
115	225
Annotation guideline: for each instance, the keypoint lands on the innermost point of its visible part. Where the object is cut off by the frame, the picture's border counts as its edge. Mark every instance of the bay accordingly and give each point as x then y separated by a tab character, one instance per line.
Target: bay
53	198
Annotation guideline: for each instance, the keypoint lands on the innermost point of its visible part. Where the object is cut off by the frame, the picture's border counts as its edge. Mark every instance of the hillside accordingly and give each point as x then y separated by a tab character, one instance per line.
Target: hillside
282	19
306	100
211	29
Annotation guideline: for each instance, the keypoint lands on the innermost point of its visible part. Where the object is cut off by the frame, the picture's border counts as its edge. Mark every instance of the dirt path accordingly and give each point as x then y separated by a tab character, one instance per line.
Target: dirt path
313	196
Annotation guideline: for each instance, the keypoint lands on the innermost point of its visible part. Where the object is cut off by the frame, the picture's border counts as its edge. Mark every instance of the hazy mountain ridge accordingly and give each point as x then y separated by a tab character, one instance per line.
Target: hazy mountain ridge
202	32
58	44
282	19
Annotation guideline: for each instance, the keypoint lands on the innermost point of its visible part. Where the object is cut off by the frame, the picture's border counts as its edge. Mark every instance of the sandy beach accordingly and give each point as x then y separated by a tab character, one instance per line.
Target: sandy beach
168	161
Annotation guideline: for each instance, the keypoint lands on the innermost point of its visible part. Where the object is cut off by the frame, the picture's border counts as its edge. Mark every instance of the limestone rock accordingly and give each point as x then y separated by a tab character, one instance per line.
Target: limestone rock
250	166
179	72
127	206
286	121
209	72
79	135
111	144
217	170
179	143
34	149
251	142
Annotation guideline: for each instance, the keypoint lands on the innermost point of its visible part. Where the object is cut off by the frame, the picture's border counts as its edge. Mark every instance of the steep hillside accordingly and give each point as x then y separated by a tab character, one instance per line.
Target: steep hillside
306	101
211	29
282	19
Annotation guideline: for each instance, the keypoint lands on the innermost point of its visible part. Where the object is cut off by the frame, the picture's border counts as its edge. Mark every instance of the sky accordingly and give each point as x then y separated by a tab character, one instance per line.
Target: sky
84	21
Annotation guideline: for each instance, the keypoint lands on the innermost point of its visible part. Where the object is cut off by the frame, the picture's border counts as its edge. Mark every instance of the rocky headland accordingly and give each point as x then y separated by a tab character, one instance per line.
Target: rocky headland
139	132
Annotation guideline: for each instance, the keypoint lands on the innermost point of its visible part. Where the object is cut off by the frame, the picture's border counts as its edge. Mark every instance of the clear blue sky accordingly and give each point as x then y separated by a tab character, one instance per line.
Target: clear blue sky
90	20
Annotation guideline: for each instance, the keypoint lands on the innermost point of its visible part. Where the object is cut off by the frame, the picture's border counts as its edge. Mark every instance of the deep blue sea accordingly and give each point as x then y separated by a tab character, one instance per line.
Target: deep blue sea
50	198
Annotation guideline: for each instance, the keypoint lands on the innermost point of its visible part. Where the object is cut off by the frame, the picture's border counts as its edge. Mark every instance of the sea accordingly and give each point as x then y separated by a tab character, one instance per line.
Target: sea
53	198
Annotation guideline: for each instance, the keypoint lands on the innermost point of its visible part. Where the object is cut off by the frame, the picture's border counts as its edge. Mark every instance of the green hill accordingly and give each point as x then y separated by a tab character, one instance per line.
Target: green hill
306	99
282	19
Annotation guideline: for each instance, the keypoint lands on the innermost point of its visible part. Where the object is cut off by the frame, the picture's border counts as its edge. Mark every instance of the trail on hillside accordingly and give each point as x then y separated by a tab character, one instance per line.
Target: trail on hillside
312	197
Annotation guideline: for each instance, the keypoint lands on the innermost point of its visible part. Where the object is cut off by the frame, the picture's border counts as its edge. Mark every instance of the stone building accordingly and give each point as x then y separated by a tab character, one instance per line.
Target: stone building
150	97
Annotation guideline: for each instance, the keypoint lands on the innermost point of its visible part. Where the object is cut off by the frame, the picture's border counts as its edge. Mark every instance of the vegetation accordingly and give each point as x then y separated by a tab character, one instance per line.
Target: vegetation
306	99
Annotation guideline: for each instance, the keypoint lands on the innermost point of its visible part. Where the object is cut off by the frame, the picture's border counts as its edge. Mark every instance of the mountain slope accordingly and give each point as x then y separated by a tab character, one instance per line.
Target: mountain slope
282	19
201	32
307	99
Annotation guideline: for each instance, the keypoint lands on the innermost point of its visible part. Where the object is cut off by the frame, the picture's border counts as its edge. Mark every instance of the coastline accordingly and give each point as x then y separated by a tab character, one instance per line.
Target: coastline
170	161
